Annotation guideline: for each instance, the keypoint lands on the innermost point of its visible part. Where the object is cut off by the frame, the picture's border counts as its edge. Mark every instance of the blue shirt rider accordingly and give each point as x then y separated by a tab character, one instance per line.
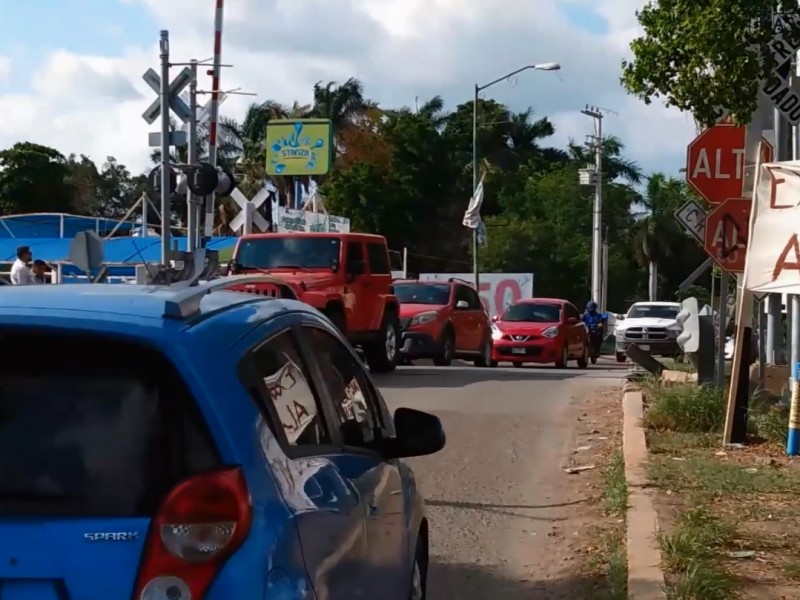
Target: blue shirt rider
592	317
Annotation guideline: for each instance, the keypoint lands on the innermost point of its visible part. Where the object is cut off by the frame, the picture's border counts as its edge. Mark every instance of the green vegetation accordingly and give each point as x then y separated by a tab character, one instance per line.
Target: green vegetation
406	173
726	501
701	56
611	558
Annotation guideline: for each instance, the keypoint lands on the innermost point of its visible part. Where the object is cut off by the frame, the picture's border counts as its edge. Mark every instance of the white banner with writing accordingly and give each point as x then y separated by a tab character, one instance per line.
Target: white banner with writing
497	290
773	249
291	219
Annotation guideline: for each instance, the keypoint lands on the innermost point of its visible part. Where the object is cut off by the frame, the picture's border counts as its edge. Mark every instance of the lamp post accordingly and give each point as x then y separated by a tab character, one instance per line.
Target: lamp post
478	90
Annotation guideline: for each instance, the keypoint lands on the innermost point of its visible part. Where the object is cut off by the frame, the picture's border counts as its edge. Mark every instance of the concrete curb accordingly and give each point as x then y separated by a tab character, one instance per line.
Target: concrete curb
645	577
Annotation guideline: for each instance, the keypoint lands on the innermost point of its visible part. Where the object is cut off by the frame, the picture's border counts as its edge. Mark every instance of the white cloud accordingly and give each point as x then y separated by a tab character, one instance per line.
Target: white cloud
5	69
400	49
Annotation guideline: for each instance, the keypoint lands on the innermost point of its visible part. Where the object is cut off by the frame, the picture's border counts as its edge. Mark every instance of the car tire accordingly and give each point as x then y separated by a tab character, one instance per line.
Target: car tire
485	359
336	316
621	358
447	349
563	362
419	574
583	361
383	354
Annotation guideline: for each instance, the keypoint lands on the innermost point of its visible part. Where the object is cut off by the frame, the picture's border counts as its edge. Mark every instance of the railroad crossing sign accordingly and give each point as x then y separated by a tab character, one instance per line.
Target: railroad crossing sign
178	106
727	231
715	163
783	48
249	214
692	218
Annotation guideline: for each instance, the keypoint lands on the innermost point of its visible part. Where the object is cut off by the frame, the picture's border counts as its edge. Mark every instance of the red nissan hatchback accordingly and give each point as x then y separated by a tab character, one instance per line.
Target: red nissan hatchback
540	330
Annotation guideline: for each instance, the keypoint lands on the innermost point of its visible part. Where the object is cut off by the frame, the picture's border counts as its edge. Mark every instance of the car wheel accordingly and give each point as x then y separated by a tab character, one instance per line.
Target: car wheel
447	347
583	361
336	316
383	354
562	363
485	359
621	358
419	574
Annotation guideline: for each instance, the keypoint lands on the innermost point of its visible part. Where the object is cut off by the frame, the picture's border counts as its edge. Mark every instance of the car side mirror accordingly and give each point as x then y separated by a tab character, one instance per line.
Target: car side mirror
495	319
461	304
417	434
620	317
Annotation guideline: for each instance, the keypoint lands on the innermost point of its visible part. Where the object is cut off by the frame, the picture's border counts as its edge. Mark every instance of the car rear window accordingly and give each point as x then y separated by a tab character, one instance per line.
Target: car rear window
93	425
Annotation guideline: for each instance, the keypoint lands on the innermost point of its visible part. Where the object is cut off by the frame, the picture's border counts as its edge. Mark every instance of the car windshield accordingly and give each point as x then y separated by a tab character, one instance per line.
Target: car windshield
422	293
533	313
649	311
92	425
289	252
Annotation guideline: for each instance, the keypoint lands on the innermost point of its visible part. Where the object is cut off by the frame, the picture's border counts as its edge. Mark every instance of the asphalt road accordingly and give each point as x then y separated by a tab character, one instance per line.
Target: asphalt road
495	492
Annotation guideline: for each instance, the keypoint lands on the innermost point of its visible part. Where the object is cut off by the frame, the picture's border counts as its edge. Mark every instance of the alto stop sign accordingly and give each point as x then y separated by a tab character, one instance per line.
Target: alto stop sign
715	163
727	230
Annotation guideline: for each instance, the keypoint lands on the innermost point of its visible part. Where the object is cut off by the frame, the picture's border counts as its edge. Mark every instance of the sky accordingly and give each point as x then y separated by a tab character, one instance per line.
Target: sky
71	70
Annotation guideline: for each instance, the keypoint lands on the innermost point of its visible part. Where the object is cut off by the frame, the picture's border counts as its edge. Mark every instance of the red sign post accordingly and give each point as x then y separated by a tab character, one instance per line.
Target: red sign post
727	231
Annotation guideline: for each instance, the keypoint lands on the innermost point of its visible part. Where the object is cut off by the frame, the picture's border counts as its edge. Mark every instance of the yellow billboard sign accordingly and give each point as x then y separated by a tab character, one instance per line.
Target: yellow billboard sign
299	146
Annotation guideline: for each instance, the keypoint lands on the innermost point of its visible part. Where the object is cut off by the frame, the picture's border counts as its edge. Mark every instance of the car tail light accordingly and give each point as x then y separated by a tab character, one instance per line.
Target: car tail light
204	520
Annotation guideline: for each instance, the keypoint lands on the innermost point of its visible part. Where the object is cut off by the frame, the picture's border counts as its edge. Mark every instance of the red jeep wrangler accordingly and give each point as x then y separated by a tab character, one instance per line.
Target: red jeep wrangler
347	276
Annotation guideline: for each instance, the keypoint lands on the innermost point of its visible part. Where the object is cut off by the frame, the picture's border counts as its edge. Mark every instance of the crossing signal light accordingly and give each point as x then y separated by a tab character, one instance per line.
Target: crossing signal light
203	179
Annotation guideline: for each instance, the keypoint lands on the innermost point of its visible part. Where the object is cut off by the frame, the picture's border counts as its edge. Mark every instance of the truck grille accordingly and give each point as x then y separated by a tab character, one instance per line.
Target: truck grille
646	334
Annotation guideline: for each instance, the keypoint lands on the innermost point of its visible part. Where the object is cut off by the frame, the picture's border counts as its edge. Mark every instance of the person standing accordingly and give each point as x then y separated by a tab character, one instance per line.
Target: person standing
40	270
21	273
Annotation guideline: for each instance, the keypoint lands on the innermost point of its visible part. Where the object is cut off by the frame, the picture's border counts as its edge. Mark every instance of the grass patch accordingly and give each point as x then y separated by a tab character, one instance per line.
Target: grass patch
615	494
689	554
791	569
704	477
688	408
610	557
768	421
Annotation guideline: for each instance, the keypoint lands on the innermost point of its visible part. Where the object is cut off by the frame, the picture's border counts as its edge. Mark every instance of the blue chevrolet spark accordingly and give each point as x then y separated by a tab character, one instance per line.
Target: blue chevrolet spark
164	443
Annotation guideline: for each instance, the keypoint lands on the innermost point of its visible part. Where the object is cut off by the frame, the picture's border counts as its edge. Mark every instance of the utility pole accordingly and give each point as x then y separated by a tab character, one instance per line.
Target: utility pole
166	208
596	142
192	215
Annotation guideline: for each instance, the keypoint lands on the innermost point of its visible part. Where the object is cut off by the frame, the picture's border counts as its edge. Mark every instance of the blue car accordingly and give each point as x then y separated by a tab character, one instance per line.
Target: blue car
195	443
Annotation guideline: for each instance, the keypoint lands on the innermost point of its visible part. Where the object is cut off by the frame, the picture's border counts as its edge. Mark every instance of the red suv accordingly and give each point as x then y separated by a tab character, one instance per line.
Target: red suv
347	276
443	320
540	330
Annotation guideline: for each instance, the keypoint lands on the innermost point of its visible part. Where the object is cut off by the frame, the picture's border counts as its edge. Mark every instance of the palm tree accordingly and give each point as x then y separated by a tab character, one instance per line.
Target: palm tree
614	165
655	227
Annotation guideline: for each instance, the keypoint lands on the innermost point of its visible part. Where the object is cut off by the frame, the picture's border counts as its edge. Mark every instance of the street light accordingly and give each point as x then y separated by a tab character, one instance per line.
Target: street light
550	66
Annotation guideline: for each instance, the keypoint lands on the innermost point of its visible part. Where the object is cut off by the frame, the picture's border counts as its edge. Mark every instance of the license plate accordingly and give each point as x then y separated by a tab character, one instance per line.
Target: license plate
518	351
645	347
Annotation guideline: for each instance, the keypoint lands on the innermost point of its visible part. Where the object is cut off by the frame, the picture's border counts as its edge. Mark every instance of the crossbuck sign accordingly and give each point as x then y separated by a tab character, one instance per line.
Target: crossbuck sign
178	106
249	214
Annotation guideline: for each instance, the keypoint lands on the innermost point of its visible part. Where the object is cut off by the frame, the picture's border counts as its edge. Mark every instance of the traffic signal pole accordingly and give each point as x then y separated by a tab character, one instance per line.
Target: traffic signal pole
166	209
192	216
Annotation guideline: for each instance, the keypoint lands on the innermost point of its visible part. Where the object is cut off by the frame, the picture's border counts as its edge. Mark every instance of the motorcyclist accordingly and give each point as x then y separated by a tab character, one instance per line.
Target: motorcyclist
595	322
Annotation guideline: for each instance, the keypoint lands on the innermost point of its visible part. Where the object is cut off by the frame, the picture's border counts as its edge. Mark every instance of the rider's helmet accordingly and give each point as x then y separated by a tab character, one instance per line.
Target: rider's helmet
591	306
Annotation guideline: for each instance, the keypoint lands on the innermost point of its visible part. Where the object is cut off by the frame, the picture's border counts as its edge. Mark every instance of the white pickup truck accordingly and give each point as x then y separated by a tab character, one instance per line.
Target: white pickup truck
650	325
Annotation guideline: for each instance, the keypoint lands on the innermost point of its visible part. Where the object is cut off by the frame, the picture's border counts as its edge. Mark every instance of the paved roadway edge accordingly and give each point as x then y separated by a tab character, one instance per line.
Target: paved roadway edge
645	577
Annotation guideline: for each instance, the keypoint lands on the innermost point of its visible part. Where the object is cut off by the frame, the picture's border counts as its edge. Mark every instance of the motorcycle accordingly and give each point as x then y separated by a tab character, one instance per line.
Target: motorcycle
596	336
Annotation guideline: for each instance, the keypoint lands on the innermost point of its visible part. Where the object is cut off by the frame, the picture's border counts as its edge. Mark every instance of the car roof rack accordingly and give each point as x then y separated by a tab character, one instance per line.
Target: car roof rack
186	301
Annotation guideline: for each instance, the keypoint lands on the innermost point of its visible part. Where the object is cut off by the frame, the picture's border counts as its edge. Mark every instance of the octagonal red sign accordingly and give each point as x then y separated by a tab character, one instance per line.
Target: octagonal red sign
715	162
727	232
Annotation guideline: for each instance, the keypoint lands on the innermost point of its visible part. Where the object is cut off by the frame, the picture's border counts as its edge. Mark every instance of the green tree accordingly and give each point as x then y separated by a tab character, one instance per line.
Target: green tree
704	56
34	178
